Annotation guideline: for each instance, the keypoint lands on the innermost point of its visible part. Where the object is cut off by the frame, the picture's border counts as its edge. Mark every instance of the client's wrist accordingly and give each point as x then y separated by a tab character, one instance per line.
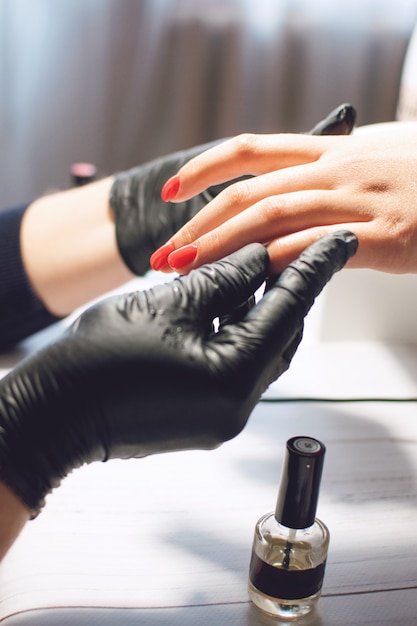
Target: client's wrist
69	247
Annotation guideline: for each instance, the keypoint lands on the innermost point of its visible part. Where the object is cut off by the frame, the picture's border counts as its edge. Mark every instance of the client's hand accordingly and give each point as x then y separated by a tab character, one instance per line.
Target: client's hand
305	187
146	372
144	221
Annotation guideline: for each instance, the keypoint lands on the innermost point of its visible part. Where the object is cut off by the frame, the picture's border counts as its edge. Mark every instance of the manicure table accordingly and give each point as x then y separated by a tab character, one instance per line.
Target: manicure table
166	540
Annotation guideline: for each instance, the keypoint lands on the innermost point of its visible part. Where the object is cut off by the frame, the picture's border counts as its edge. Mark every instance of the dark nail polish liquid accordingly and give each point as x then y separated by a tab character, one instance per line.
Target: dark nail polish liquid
290	545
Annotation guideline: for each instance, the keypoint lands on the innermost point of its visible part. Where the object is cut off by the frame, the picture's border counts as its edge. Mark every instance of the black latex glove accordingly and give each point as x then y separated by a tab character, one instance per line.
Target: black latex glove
340	121
144	222
144	373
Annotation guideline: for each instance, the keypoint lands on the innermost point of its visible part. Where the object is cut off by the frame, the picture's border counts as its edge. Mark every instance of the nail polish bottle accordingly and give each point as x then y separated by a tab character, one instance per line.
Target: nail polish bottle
82	174
290	545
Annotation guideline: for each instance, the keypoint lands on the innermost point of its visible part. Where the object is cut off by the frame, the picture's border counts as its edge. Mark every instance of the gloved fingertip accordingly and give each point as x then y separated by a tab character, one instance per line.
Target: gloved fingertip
340	121
337	247
349	241
307	275
348	115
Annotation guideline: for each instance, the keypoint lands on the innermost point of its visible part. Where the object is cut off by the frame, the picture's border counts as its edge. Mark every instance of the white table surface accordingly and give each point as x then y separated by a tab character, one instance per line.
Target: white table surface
167	539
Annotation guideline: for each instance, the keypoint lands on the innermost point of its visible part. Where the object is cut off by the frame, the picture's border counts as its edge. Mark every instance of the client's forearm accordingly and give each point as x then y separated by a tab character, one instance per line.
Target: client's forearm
13	516
69	247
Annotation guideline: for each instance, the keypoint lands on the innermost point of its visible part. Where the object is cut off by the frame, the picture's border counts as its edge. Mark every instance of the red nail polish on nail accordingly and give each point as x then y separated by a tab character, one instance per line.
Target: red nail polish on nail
182	257
170	189
159	259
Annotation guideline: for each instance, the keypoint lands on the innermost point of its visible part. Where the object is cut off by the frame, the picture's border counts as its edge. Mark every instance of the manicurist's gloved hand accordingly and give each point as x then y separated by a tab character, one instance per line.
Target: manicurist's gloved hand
145	373
144	221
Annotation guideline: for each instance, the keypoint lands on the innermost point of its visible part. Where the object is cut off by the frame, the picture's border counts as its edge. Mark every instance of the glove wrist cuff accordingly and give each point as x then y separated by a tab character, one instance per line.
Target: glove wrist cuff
134	250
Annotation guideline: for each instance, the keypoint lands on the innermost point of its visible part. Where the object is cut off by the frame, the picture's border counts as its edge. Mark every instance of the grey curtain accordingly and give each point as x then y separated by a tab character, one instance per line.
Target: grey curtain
117	82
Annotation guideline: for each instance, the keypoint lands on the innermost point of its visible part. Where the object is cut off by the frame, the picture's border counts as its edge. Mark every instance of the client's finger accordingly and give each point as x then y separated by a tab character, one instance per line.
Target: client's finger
272	218
247	154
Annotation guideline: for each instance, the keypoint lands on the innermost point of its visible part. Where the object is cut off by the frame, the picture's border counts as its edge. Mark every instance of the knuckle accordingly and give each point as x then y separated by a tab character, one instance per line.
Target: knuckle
245	146
238	193
213	241
189	233
272	208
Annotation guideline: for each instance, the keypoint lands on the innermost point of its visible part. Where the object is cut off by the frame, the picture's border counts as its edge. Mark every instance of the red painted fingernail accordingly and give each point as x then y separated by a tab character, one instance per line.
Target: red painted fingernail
170	189
182	257
159	259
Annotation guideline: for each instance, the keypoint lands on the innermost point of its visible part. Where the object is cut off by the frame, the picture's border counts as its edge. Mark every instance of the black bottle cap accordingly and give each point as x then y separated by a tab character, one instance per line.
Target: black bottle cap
300	482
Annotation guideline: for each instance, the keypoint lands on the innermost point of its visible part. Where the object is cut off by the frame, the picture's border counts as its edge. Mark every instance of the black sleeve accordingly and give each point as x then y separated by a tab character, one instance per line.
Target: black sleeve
21	311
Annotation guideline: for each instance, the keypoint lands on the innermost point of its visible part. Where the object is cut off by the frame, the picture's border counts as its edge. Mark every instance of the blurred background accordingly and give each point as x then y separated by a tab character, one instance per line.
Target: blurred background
117	82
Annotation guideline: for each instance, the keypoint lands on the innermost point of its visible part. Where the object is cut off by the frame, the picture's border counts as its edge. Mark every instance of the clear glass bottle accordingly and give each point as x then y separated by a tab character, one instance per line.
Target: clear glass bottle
290	545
